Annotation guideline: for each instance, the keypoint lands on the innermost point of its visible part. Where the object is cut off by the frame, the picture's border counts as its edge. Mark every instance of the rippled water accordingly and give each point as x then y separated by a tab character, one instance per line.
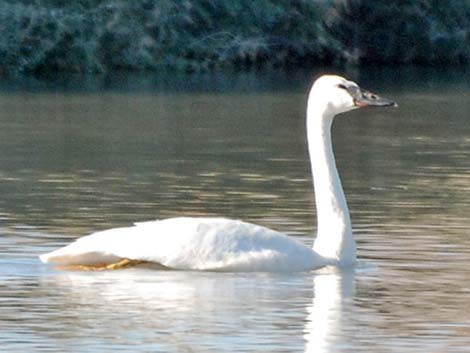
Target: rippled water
76	160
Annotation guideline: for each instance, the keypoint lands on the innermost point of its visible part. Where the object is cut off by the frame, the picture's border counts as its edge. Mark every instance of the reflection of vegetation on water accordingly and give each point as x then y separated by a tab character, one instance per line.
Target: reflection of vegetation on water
104	35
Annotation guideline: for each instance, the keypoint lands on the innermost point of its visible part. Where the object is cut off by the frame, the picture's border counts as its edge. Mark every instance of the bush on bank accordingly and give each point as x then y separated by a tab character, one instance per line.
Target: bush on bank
106	35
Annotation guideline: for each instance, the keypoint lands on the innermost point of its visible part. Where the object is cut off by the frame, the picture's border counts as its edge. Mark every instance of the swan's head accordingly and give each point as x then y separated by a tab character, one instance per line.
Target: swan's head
338	95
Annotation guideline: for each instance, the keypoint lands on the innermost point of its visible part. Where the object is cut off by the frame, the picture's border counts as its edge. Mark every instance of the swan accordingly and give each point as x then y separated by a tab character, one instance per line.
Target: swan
220	244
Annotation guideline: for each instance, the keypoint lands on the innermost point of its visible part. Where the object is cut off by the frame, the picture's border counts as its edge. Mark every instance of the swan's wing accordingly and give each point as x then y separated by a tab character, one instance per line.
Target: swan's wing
146	241
192	243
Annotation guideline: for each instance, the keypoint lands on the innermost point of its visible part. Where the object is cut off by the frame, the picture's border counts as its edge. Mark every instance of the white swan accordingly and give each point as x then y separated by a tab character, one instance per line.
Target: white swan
219	244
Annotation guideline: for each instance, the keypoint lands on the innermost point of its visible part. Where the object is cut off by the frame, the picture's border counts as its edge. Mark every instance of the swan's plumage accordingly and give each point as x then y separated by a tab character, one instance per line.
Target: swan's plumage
215	244
220	244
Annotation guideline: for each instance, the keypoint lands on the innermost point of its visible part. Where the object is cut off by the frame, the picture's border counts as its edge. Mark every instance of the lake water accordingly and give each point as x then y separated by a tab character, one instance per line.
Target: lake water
77	156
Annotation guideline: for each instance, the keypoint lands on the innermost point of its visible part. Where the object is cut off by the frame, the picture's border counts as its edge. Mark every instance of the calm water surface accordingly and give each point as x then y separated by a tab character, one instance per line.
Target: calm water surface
76	160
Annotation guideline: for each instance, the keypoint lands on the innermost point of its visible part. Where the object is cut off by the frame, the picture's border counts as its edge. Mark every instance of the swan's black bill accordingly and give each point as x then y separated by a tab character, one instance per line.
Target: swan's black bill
363	98
369	99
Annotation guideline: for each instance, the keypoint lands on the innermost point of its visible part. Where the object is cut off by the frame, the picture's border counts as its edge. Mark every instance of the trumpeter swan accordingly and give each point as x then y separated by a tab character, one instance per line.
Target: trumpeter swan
219	244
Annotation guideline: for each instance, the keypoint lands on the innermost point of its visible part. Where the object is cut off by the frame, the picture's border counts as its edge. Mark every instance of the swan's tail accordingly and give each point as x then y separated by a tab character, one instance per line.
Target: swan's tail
91	261
86	251
106	250
68	256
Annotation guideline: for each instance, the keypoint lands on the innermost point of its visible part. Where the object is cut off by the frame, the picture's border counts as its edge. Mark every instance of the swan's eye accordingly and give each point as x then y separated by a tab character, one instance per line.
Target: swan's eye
340	85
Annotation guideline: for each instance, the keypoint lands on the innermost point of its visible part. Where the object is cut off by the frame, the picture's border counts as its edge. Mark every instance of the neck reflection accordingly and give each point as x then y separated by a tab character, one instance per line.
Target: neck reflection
332	289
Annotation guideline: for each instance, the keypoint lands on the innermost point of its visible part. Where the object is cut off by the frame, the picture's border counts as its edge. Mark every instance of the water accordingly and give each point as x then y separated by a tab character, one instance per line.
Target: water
76	159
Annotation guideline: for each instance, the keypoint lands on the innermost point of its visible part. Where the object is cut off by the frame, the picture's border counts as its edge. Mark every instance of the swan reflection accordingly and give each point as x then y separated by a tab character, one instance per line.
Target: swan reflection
332	288
180	310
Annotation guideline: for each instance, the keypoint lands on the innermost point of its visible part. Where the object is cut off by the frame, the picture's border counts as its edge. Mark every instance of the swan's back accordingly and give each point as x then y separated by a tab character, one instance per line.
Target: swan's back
216	244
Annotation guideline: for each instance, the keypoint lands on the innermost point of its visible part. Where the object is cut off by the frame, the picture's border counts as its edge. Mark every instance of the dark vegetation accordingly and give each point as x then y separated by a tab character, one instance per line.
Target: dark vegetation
193	35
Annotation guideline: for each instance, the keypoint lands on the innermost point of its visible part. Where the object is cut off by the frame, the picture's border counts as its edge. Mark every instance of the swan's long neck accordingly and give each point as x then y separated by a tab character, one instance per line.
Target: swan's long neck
334	235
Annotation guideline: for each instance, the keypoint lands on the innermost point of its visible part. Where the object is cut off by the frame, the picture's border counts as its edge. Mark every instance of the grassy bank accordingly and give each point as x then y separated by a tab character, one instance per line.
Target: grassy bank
104	35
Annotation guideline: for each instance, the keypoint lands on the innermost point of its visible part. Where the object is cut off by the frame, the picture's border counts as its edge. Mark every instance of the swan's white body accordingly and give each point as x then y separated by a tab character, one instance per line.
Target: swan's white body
220	244
215	244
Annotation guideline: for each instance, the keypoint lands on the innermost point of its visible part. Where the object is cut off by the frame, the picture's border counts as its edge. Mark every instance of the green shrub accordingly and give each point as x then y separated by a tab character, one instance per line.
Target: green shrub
106	35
